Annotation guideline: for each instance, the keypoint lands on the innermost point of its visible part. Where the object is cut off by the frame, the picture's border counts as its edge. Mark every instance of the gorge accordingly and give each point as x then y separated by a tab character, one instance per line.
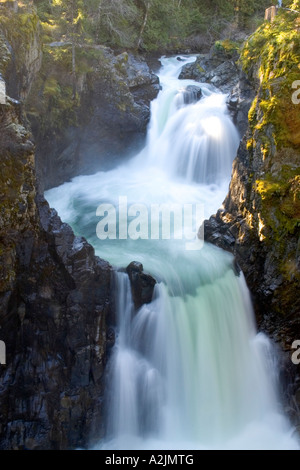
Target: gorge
166	388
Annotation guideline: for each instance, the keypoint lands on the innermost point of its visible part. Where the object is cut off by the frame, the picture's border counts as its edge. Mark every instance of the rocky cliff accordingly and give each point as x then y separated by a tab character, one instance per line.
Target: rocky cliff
105	119
260	218
54	295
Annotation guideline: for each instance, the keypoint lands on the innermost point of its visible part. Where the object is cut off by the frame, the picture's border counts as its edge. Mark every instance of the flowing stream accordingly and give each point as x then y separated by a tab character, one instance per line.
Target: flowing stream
188	370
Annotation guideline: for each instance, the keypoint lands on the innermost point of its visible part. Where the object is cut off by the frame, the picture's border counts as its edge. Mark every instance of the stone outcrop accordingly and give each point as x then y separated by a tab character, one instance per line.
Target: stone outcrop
220	69
108	119
142	284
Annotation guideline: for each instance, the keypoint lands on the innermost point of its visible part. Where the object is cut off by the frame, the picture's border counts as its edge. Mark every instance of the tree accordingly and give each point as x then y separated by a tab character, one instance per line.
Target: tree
117	22
74	15
146	4
69	16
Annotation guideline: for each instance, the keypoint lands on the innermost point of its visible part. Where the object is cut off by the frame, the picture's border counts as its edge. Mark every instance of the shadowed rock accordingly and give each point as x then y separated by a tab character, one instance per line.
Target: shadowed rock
142	284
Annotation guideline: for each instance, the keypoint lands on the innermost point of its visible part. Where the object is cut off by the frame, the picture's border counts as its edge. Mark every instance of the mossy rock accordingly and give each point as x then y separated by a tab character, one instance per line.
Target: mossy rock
271	56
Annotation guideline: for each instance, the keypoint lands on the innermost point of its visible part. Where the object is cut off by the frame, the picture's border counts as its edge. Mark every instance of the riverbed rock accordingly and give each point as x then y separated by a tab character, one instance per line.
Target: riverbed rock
192	94
142	284
220	69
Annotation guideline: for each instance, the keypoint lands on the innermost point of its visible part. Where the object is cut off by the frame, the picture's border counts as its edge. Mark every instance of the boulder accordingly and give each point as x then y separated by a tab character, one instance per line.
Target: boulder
142	284
192	94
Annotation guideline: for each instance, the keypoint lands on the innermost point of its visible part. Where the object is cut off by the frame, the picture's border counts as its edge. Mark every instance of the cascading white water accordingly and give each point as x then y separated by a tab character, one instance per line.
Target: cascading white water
194	140
187	370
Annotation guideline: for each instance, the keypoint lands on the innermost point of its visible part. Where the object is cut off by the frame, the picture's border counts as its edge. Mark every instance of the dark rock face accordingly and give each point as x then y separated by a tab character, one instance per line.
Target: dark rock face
142	284
54	298
239	102
112	118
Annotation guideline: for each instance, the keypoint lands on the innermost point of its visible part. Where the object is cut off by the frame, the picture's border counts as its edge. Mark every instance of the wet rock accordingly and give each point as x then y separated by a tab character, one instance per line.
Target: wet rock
221	70
110	337
192	94
142	284
239	102
217	68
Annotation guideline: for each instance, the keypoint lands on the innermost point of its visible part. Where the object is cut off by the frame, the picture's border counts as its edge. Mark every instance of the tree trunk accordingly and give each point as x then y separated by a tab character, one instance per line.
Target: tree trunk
74	68
73	51
147	7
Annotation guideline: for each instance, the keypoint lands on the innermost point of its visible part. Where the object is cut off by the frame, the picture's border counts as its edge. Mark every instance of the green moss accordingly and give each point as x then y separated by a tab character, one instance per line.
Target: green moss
275	47
280	201
252	115
268	189
200	69
271	57
227	46
19	28
18	31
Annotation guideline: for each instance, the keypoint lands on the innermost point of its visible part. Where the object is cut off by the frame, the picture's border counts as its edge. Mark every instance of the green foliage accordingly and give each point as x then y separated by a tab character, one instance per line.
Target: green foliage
169	23
18	32
226	46
271	57
51	100
280	196
5	55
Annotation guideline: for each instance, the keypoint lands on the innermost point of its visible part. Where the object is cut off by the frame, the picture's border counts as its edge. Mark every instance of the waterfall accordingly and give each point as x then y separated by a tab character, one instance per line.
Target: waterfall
188	370
192	138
